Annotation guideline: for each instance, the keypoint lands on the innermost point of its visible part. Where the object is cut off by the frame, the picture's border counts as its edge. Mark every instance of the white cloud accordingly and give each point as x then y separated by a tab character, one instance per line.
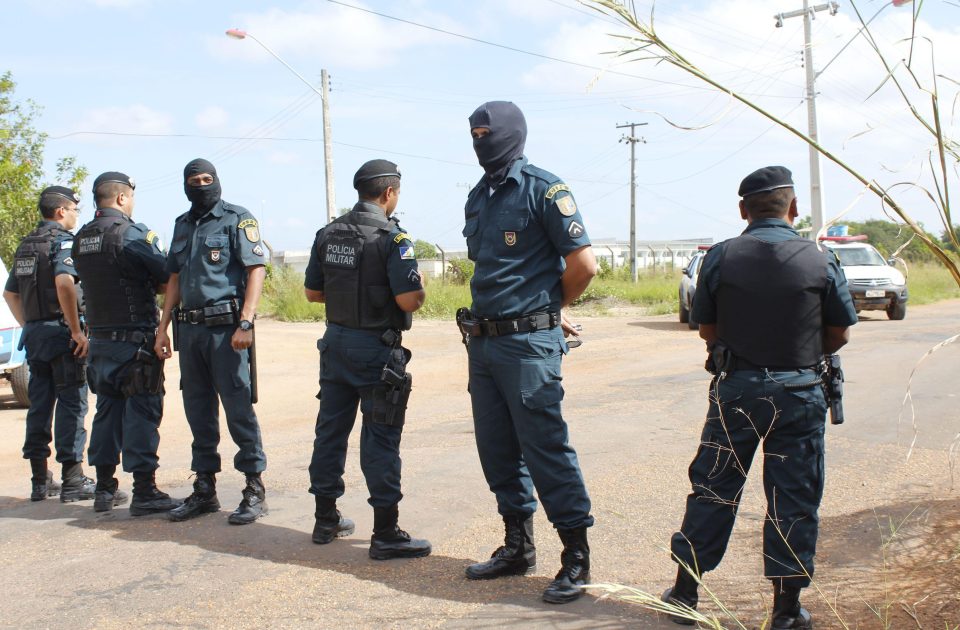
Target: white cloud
130	119
212	117
331	35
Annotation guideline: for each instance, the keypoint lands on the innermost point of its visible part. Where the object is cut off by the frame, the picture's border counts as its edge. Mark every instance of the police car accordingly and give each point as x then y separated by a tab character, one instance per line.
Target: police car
688	285
875	284
13	364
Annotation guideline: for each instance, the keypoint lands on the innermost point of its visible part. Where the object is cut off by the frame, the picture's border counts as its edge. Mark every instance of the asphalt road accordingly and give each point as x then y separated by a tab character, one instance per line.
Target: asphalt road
635	399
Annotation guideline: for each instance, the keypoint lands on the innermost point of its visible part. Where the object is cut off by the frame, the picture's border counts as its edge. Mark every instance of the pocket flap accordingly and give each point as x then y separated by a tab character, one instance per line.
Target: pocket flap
471	227
547	394
216	241
512	222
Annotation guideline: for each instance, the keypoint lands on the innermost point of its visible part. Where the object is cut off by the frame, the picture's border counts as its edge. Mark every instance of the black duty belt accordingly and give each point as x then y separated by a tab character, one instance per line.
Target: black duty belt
131	335
220	314
736	363
497	327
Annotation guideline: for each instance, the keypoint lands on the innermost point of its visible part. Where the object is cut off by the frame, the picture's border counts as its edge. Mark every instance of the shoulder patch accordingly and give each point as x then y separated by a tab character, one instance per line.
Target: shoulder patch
401	237
555	189
66	244
407	253
567	206
250	230
151	237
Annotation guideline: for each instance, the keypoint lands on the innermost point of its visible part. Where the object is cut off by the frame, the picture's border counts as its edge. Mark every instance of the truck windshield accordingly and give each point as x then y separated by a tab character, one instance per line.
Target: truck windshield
851	257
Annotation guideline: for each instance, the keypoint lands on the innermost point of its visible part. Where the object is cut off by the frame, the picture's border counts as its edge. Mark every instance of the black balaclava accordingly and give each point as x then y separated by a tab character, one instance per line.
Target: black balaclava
499	149
202	198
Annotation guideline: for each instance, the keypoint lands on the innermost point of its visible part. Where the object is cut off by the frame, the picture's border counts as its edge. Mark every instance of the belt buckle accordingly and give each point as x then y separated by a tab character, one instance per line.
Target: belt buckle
532	322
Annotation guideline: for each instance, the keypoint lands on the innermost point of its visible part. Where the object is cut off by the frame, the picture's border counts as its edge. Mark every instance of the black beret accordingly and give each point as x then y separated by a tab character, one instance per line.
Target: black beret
374	169
61	191
766	179
113	176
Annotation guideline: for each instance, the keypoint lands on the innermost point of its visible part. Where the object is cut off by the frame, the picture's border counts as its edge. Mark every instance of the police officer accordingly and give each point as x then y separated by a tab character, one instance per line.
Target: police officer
217	270
362	265
770	305
42	296
533	257
121	266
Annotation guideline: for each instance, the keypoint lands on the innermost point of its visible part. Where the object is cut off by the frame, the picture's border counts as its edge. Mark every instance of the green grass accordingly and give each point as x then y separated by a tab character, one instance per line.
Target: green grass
655	292
930	282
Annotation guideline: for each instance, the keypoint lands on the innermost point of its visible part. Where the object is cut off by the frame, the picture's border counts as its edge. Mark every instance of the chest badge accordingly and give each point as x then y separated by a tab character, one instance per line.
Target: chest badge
510	238
214	255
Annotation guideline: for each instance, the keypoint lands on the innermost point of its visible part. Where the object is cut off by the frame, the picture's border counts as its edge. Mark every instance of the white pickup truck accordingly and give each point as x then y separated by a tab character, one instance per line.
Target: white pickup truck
13	364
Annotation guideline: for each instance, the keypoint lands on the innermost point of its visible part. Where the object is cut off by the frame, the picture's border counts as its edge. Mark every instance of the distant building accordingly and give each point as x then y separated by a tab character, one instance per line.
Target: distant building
650	254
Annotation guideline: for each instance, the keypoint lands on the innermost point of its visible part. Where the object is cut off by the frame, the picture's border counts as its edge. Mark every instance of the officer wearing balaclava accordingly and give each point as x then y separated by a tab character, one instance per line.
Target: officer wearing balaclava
216	265
532	257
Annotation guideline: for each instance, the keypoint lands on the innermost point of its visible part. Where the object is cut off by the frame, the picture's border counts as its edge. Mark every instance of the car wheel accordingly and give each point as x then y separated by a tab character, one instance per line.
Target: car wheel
684	313
897	310
693	325
20	379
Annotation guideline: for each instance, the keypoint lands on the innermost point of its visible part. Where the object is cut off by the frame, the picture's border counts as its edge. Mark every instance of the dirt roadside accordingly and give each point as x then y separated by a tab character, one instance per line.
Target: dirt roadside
635	403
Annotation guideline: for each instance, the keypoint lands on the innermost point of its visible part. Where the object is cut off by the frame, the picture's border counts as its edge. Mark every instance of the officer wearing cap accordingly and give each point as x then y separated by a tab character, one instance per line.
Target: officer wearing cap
43	297
362	265
770	305
216	267
121	266
533	257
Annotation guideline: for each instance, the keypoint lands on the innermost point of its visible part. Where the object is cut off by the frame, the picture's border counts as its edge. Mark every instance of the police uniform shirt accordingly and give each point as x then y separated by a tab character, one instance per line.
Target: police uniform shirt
212	254
59	256
518	237
402	270
838	309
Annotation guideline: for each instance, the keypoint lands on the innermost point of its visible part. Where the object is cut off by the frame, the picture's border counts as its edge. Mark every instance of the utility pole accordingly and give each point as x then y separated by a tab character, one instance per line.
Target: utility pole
633	140
327	147
816	174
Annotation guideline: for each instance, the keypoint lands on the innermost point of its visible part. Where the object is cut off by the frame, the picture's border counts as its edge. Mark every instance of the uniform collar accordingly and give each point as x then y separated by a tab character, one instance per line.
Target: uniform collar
111	212
515	168
769	223
48	223
368	207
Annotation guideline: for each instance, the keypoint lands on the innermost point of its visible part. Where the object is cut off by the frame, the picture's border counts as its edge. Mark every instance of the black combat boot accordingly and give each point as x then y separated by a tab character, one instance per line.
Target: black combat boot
389	541
42	482
787	612
147	498
254	503
330	523
107	494
517	555
76	485
683	593
574	570
202	501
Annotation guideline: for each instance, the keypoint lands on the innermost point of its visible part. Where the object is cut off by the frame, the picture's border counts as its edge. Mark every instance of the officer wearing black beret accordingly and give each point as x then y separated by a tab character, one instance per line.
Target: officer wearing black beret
363	266
121	267
770	305
42	296
217	268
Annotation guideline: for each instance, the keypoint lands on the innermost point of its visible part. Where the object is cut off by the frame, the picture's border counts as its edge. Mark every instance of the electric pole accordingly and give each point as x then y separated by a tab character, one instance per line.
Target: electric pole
633	140
327	147
816	187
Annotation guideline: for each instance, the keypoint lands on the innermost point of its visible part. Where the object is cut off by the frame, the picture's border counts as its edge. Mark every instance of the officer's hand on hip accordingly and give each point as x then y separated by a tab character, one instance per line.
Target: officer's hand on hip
242	339
80	344
161	347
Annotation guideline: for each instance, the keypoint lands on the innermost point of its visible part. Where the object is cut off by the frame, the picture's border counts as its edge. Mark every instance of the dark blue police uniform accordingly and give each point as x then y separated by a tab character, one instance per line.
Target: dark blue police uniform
57	387
211	256
518	236
126	422
352	361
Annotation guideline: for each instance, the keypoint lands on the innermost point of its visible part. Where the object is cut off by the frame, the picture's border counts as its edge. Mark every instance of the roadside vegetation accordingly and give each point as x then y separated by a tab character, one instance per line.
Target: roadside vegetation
655	292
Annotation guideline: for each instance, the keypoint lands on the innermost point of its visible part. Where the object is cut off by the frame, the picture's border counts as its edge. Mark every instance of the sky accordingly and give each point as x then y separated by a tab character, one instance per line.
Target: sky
144	86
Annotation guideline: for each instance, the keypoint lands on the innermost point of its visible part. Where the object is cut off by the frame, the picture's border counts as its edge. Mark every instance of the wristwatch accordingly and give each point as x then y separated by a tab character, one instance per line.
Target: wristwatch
245	325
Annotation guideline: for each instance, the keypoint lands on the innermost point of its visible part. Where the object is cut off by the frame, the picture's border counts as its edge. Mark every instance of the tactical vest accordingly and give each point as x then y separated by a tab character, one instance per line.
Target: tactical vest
769	303
115	294
33	268
354	251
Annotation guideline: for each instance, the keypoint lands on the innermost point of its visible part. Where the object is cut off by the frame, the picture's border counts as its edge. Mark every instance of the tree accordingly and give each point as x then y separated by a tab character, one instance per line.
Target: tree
424	250
21	168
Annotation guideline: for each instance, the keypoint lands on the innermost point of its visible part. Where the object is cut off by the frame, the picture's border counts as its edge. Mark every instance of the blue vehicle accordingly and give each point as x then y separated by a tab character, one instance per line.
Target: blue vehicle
13	364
